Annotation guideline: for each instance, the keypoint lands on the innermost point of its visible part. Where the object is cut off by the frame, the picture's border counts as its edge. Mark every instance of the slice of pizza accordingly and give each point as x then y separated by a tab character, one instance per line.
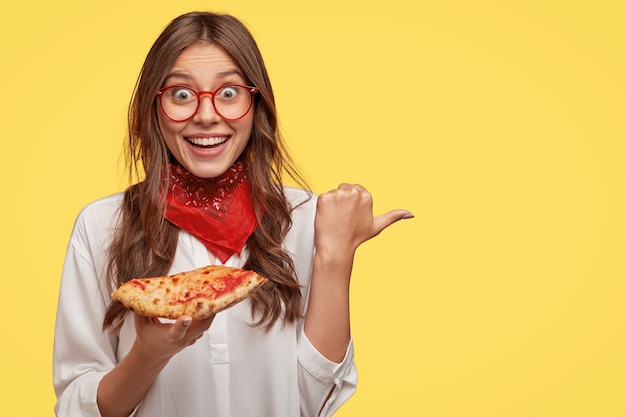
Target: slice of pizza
199	293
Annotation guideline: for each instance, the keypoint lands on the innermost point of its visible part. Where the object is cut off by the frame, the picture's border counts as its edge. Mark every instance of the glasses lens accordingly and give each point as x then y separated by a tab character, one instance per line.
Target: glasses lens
179	103
232	101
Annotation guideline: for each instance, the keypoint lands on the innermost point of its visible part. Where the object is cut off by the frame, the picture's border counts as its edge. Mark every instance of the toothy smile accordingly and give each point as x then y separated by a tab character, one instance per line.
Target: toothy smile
207	141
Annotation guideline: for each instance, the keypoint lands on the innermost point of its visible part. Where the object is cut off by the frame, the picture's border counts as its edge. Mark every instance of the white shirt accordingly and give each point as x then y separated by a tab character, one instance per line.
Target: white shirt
234	370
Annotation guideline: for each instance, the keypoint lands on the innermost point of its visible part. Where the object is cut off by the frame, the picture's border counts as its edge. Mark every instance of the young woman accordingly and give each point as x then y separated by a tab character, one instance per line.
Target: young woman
203	136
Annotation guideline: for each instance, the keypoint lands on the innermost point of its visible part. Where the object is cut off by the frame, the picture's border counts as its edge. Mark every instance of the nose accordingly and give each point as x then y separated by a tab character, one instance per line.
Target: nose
206	113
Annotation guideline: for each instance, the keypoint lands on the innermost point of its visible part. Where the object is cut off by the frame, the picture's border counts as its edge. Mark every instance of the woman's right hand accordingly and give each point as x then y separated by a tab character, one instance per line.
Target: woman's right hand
163	340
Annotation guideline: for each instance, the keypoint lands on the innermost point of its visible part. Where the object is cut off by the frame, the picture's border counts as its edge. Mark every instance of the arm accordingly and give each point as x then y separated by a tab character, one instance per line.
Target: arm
87	375
343	221
123	388
82	352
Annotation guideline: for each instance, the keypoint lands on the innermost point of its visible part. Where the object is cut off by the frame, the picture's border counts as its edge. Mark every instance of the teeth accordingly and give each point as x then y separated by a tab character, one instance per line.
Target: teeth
207	141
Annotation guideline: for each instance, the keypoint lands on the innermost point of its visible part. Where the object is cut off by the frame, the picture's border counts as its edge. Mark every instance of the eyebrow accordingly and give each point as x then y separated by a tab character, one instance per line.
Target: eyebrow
222	74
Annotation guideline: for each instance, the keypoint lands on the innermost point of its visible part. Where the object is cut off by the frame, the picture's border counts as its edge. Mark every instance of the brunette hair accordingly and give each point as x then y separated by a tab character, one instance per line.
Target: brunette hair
144	244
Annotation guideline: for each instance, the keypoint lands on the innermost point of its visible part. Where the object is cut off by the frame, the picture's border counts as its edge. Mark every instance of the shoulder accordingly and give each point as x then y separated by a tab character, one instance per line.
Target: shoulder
103	206
96	221
102	211
303	205
302	202
299	240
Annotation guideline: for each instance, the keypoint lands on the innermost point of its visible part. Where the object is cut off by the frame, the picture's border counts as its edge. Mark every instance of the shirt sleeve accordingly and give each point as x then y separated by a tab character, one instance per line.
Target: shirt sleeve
83	352
324	385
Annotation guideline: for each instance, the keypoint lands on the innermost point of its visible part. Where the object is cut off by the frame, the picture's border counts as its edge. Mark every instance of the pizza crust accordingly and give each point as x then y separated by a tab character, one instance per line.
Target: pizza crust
200	293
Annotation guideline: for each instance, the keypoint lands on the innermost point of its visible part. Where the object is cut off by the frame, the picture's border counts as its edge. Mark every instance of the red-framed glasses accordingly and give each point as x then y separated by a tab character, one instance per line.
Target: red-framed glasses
231	102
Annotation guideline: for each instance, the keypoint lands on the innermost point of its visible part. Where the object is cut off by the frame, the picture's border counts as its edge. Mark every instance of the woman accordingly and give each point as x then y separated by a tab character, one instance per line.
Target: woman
203	129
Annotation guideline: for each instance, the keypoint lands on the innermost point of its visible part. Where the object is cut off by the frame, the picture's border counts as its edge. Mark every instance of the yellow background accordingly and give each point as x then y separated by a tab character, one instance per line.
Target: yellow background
499	124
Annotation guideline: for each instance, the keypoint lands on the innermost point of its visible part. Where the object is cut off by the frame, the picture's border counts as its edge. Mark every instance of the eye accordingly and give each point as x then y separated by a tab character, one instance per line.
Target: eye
228	93
182	94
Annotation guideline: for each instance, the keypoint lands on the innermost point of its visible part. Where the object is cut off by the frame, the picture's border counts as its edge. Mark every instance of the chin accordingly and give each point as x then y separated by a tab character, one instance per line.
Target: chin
208	172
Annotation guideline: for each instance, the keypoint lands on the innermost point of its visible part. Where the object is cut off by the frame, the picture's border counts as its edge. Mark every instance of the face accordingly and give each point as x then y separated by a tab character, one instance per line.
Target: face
206	145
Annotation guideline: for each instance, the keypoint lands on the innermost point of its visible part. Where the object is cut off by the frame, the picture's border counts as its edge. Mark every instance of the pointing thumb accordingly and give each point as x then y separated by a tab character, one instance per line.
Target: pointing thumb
385	220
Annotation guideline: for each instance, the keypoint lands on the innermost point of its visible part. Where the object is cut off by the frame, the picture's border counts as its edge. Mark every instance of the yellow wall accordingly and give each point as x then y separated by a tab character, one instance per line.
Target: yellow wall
500	124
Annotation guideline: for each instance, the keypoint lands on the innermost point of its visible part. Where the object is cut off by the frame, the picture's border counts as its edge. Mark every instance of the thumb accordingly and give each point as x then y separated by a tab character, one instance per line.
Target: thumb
385	220
179	329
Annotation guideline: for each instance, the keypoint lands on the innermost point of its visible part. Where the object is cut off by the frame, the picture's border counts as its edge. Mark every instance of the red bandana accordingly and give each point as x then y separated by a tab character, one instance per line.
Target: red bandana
218	211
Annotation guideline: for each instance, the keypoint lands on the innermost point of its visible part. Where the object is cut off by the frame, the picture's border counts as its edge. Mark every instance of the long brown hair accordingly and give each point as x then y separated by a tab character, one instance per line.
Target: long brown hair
144	244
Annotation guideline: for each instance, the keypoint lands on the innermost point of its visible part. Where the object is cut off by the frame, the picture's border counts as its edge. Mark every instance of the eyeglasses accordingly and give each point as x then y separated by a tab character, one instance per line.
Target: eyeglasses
231	102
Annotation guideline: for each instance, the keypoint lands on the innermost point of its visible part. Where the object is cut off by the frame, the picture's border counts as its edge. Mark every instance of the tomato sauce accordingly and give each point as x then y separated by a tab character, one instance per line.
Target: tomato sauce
137	283
223	286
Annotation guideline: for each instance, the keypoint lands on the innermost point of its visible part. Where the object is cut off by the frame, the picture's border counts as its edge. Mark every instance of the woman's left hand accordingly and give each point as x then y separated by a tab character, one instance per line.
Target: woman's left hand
345	219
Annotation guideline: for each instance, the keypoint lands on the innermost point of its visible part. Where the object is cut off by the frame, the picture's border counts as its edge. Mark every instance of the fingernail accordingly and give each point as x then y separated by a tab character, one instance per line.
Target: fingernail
186	322
408	216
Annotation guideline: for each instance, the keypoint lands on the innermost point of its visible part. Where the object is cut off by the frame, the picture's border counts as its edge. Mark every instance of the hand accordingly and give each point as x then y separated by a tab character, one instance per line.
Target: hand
345	219
164	340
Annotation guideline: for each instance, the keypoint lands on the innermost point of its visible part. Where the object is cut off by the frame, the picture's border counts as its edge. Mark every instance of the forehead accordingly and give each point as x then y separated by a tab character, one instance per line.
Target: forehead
205	59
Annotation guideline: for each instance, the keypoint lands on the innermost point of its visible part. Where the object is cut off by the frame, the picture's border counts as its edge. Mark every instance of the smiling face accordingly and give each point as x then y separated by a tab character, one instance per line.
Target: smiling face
206	145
